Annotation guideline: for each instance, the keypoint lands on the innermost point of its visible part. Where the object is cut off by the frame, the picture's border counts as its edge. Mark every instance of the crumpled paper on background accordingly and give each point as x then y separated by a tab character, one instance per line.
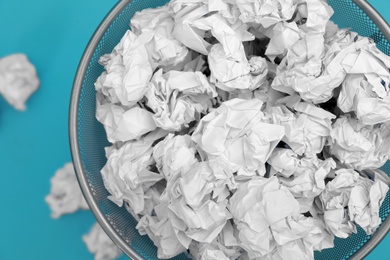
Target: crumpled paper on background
65	198
99	244
65	195
18	80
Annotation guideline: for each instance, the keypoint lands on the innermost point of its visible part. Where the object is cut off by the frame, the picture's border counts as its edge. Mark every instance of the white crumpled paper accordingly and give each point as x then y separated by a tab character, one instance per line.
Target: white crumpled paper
128	71
266	12
65	195
234	73
359	146
123	124
128	173
154	27
301	236
99	244
201	224
350	198
227	140
194	18
204	219
314	66
302	70
205	181
18	80
224	247
174	156
306	129
65	198
285	21
193	215
366	89
304	177
161	232
178	98
230	69
238	133
269	224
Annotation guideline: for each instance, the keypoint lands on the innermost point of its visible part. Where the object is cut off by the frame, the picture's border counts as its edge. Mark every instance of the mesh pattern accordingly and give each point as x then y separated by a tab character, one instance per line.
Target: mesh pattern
92	138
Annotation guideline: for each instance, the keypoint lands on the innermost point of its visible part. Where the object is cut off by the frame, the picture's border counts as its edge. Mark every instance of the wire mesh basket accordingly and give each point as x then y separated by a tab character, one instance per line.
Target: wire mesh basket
88	138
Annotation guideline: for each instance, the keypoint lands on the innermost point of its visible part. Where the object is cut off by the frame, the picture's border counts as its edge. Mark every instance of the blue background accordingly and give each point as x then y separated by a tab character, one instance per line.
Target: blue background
34	143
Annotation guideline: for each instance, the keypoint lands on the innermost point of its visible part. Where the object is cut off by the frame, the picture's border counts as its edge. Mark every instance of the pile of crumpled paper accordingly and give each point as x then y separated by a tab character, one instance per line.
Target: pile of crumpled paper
245	129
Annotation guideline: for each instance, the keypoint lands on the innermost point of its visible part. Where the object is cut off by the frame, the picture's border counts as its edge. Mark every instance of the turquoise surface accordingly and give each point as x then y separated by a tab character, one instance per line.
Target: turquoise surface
34	143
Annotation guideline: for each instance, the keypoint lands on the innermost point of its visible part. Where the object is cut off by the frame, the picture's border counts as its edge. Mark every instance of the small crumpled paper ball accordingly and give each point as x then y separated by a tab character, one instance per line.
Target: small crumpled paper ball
18	80
65	195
